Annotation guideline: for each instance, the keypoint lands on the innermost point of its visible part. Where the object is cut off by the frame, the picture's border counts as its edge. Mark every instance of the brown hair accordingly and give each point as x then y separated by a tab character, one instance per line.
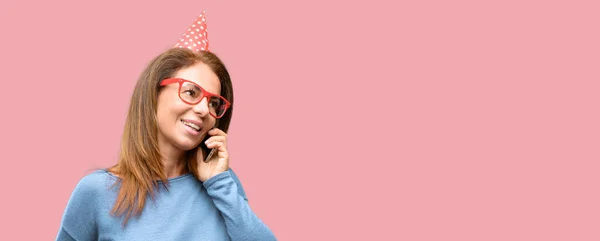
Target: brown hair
139	166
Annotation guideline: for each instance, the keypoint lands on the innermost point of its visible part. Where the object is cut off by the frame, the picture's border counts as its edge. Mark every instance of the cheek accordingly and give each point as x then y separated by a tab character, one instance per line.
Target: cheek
209	123
168	108
162	121
165	114
162	114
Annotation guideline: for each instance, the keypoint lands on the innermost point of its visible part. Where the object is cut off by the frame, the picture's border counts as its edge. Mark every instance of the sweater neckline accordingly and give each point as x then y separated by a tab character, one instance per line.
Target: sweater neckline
170	180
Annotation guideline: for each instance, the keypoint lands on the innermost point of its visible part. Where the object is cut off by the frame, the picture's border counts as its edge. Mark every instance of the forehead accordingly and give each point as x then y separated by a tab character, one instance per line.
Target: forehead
202	75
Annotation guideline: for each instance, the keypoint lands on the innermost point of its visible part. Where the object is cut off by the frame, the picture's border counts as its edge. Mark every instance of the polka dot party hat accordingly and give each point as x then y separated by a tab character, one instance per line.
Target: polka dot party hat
196	37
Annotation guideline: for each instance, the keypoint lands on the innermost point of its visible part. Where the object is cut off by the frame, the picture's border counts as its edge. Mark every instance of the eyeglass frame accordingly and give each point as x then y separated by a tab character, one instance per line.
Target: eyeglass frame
205	93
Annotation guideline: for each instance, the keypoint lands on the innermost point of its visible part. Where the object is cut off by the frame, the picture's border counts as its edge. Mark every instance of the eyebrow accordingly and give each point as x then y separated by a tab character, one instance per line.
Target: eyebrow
195	86
214	93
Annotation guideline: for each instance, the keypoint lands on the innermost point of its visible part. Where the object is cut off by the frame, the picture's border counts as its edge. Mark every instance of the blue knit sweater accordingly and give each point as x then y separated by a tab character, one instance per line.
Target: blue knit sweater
189	210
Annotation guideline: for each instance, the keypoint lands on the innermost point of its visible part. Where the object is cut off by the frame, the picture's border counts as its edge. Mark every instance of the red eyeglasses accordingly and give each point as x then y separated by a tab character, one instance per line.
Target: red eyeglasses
192	93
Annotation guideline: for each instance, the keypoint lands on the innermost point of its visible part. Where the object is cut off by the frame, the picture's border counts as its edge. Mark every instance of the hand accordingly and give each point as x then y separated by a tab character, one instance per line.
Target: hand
219	162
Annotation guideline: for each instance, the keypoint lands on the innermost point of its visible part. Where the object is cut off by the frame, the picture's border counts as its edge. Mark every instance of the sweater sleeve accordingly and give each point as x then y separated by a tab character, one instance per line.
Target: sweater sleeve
229	197
79	218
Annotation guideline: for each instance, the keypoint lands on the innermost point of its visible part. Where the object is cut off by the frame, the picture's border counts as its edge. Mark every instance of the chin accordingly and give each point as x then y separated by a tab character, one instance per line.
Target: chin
187	144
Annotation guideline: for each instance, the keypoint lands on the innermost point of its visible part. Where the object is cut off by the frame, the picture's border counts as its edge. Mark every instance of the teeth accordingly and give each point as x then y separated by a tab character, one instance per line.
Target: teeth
194	126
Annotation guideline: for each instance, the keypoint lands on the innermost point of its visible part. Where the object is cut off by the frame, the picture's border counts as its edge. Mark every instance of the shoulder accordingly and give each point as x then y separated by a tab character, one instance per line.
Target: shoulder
89	192
237	181
79	218
90	186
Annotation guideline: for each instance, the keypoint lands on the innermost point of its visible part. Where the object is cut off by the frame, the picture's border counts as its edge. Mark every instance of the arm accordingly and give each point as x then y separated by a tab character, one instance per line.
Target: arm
229	197
79	219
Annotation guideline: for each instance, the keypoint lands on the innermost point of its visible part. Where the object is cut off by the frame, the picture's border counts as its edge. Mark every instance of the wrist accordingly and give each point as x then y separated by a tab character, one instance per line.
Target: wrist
216	178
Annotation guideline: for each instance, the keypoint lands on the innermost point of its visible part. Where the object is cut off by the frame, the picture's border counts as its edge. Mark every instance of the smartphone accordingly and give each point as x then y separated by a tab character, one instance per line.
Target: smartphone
211	152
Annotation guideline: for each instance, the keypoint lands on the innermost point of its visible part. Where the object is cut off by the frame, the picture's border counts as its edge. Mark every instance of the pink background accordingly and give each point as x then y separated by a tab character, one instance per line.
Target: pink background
354	121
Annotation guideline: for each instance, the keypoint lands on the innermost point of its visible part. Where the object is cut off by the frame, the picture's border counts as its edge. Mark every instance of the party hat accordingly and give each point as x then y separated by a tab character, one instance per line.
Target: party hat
196	37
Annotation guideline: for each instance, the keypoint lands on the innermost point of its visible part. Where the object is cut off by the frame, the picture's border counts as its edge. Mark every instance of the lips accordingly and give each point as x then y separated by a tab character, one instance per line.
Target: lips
196	125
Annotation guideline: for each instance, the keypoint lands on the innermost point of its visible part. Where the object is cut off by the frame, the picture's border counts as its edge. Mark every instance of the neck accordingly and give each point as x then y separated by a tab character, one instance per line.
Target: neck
174	163
174	167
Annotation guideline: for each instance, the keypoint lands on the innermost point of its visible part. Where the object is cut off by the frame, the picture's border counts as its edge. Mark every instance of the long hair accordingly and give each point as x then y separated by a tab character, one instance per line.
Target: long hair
139	166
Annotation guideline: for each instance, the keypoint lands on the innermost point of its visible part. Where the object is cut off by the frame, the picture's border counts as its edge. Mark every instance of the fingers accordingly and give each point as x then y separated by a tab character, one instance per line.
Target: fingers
221	151
217	136
218	145
216	131
215	140
218	141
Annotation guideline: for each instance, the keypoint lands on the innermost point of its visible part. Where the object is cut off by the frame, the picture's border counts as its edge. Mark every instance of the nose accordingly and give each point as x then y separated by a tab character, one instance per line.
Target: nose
202	107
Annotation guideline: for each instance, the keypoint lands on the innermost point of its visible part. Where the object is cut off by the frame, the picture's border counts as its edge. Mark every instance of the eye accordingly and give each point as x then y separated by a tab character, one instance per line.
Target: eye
214	102
190	92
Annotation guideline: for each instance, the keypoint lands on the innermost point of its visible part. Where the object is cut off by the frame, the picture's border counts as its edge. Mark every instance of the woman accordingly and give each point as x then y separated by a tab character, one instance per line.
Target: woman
162	188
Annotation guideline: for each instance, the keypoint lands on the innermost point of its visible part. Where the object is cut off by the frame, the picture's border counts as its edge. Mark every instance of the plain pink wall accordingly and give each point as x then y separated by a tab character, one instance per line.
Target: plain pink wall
436	120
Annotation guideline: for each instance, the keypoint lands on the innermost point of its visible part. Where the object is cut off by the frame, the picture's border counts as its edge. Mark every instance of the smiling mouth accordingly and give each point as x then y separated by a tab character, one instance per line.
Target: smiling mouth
191	125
